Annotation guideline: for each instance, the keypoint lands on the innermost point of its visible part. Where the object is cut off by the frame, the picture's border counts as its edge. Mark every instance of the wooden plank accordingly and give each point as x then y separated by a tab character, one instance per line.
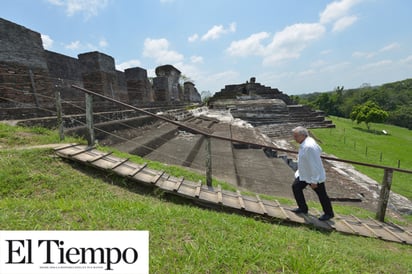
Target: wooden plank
359	228
143	177
373	232
240	198
230	199
287	217
349	226
80	152
156	178
120	163
252	205
187	189
219	195
401	229
197	191
125	169
99	157
273	210
137	170
262	206
65	147
177	186
389	231
167	183
208	196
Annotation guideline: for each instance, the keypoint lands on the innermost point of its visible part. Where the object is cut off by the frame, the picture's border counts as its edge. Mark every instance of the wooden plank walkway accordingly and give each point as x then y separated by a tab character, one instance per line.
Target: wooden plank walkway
229	200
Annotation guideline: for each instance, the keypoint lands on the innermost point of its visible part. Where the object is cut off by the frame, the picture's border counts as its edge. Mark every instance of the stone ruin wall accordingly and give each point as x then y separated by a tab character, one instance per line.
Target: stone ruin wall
30	75
249	91
266	108
190	92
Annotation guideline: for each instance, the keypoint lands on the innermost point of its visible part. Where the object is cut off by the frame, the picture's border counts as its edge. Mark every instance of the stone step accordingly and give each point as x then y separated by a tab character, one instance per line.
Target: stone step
149	140
181	150
223	166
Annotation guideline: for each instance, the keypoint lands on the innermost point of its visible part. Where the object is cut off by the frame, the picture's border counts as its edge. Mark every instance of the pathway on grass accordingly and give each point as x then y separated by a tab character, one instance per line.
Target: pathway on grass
229	201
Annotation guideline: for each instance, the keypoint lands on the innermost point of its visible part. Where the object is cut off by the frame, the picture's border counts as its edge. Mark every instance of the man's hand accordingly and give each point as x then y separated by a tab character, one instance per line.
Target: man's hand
313	186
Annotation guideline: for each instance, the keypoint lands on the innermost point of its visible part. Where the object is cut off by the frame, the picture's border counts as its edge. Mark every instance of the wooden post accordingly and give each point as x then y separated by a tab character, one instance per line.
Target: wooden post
89	120
384	195
59	111
208	162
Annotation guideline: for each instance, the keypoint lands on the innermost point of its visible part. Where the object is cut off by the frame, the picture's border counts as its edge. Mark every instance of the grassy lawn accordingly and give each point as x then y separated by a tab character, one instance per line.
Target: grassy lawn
40	191
354	142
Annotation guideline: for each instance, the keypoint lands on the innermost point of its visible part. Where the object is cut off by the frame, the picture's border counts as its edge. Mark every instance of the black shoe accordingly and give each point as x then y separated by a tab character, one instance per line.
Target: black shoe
298	210
325	217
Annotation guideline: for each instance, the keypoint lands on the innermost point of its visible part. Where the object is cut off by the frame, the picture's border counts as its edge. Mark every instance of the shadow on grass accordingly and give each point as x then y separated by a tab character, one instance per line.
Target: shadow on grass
372	131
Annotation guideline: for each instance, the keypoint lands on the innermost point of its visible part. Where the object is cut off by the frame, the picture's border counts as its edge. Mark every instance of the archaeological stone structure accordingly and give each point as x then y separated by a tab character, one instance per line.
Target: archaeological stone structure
267	108
31	75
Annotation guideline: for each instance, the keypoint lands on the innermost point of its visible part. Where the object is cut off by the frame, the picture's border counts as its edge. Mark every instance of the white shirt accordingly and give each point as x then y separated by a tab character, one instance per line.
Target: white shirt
310	167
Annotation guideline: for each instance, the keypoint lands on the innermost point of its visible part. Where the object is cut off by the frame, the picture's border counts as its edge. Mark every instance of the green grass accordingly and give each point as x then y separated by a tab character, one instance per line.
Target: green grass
40	191
354	142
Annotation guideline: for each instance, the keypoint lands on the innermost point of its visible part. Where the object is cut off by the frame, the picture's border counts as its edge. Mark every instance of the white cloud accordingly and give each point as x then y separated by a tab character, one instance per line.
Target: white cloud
47	41
291	41
89	8
326	51
215	82
196	59
318	63
249	46
79	46
375	65
407	60
390	47
334	67
344	23
308	72
232	27
286	44
336	10
193	38
103	43
216	31
159	50
360	54
74	45
128	64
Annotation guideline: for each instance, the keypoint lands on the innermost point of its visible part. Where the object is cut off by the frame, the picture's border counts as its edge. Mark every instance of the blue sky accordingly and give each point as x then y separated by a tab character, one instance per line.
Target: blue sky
297	46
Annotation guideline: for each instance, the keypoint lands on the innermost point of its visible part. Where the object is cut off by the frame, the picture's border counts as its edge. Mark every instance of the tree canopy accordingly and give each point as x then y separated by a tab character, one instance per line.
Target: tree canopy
394	98
368	113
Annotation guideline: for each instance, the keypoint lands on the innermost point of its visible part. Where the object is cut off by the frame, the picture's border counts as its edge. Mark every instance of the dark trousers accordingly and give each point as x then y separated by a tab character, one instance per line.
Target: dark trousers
298	187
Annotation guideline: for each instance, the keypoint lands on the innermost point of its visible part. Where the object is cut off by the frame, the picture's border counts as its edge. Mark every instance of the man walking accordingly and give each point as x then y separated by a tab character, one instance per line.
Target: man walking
310	172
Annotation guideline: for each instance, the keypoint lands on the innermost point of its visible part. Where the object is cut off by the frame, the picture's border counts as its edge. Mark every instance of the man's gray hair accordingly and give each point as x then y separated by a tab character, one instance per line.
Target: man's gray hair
301	131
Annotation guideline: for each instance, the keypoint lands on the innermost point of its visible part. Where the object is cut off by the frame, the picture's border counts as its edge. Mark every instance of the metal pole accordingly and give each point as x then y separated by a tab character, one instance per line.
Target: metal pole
89	120
208	162
384	195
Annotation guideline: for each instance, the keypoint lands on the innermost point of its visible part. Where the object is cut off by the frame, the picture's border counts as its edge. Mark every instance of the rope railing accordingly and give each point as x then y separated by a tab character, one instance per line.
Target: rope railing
388	171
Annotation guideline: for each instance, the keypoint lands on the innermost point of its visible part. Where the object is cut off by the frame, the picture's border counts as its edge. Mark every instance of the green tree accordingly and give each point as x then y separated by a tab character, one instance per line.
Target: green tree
369	112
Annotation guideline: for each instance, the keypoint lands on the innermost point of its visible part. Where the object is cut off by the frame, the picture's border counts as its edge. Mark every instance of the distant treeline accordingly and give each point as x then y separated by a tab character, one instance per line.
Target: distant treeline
395	98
